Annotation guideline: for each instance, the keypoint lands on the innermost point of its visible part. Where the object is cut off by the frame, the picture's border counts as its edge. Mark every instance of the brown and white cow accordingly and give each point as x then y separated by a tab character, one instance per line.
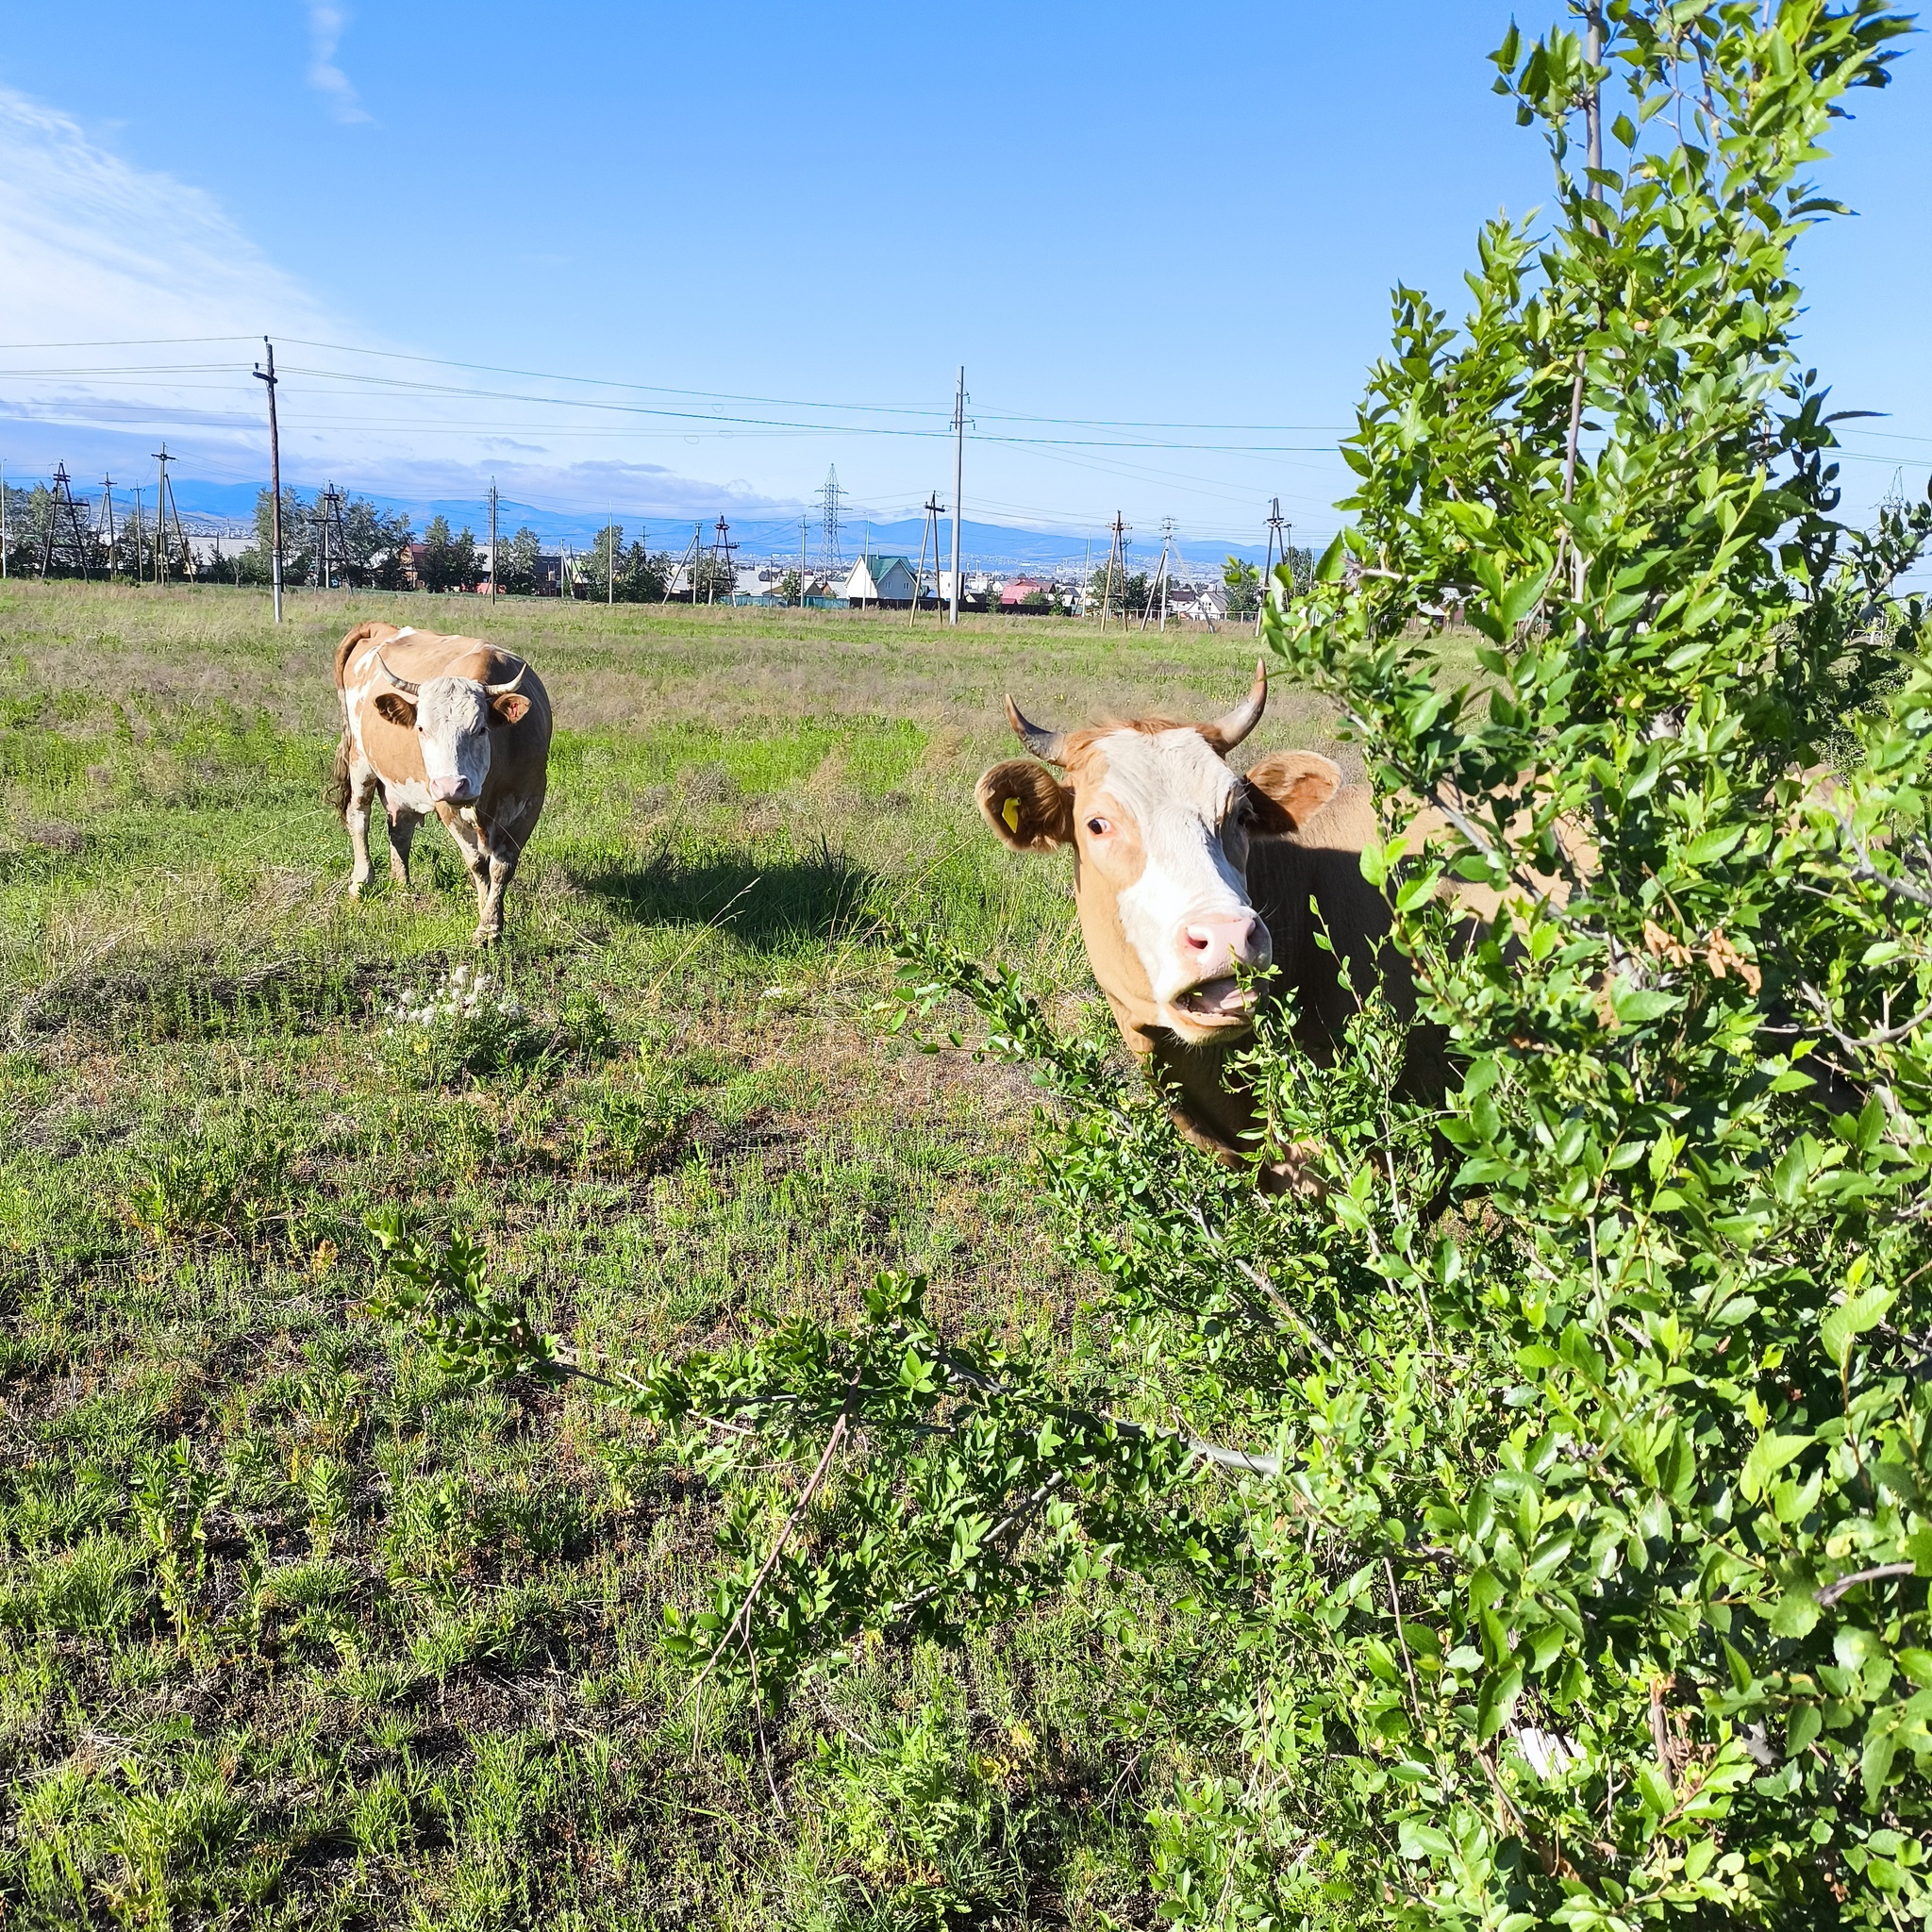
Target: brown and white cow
448	725
1187	875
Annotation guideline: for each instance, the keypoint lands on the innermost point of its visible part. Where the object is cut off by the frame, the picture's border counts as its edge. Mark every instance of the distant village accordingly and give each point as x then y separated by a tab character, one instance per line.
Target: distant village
339	542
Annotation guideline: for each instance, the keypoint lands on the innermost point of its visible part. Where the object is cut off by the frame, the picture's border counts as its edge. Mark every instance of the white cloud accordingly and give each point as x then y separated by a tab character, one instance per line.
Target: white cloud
326	25
91	248
132	307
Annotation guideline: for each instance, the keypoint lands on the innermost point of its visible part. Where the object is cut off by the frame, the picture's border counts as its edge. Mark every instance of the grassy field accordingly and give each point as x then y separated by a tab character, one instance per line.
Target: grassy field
293	1630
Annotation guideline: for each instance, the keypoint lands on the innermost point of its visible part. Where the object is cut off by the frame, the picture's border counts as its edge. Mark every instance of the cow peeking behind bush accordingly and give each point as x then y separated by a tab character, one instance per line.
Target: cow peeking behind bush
448	725
1192	880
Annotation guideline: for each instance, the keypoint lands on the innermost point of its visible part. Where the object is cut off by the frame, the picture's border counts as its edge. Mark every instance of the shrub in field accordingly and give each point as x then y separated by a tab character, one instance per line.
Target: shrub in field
1559	1555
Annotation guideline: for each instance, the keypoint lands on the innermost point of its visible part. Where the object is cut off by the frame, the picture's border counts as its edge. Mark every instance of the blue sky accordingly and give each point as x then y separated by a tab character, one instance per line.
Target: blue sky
1125	214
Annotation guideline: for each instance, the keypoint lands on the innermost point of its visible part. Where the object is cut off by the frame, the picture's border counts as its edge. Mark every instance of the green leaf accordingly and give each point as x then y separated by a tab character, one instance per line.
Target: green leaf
1874	1761
1916	1664
1795	1613
1417	1840
1495	1701
1850	1320
1807	1721
1633	1004
1769	1454
1521	598
1333	561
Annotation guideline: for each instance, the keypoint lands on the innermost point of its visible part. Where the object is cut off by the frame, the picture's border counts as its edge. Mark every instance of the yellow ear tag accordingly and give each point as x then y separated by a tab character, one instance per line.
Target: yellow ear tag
1010	812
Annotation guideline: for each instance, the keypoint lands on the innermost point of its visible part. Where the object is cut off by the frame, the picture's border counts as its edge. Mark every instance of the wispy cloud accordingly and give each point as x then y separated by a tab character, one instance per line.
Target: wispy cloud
326	25
92	249
132	307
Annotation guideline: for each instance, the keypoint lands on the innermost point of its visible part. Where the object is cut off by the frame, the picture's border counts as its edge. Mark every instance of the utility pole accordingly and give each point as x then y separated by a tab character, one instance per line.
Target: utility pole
1115	550
63	499
934	510
958	481
335	537
831	551
139	562
493	543
1159	583
274	468
108	486
1279	532
802	526
161	496
690	558
722	549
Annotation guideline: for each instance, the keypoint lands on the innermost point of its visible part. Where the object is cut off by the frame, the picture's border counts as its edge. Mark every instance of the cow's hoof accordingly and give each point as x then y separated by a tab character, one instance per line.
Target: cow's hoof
487	935
358	887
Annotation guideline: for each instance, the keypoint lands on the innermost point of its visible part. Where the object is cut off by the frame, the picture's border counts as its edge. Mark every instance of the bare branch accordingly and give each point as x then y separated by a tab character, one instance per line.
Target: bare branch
1832	1592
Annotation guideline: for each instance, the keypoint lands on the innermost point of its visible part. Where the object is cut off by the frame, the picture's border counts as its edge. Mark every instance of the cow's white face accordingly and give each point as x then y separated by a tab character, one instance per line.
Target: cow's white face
451	718
1161	829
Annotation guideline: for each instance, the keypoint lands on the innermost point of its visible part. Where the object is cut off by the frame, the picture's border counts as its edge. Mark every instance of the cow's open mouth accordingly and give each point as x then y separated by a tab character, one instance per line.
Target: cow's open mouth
1216	1000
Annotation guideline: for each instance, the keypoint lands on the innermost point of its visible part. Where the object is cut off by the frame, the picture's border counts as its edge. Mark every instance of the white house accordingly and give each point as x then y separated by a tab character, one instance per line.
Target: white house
879	580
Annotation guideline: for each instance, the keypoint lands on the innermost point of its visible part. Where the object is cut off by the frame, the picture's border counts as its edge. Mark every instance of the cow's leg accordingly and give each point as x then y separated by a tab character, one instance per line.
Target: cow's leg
477	863
500	868
402	836
362	791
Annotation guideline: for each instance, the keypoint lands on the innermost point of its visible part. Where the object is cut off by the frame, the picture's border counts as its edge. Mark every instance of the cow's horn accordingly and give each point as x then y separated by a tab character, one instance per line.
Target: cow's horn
1227	732
498	691
402	684
1042	743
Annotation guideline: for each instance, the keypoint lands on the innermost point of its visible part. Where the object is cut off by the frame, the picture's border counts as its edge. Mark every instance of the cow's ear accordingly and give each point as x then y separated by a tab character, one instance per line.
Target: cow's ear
511	707
1288	788
1029	807
394	706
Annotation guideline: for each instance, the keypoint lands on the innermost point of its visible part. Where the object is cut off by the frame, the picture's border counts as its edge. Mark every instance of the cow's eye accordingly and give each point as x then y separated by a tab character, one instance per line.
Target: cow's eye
1098	828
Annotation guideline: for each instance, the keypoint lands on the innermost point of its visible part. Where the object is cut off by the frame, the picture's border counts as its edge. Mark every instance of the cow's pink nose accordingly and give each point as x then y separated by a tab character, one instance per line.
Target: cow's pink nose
445	789
1214	947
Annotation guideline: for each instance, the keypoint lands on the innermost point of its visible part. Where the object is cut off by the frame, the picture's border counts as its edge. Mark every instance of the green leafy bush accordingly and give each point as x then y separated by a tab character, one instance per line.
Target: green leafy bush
1558	1555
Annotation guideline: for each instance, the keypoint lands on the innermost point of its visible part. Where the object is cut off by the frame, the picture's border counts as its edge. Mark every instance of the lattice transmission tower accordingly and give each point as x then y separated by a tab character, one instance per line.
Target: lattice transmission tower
831	556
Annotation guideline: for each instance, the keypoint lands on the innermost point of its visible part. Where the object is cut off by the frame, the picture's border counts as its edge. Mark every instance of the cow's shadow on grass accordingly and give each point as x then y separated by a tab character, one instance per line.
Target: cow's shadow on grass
788	901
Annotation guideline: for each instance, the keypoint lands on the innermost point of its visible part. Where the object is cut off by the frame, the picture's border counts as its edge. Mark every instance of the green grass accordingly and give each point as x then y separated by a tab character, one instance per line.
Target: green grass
293	1631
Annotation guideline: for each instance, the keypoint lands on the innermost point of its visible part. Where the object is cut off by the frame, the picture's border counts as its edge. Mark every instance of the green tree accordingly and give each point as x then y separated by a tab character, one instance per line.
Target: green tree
1244	581
1126	594
22	557
1558	1556
377	542
447	563
791	588
516	573
600	562
640	576
256	564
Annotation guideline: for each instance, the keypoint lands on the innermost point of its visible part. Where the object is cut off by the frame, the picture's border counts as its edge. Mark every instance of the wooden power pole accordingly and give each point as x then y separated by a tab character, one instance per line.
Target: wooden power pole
274	471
